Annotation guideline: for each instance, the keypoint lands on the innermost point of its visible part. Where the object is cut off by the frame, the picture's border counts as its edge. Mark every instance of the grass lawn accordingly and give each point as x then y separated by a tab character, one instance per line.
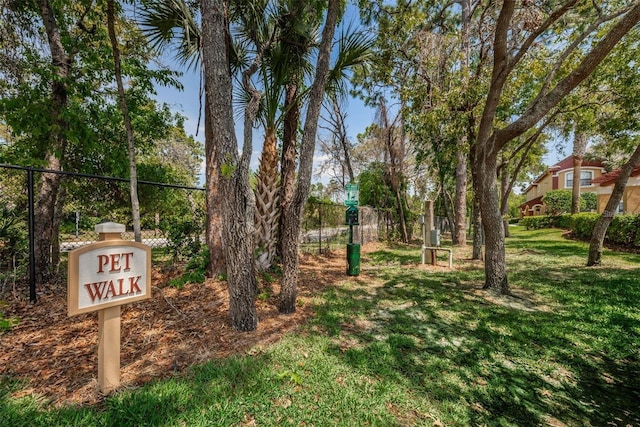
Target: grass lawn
403	345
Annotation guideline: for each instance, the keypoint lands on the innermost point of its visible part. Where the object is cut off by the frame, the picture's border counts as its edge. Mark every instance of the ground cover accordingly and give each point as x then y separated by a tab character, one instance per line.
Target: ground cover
401	344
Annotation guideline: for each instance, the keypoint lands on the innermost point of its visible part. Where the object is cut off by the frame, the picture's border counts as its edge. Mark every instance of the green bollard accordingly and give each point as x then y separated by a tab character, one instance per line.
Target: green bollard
353	259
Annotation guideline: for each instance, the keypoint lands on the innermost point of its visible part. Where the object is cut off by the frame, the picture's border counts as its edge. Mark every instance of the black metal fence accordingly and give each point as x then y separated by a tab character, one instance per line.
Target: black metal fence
172	217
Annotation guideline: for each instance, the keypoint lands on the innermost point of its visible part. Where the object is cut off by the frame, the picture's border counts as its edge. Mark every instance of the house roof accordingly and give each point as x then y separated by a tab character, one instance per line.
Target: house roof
529	204
566	163
610	178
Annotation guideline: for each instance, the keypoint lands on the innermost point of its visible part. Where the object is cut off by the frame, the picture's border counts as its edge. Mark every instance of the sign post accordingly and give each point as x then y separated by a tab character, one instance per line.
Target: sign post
351	218
102	277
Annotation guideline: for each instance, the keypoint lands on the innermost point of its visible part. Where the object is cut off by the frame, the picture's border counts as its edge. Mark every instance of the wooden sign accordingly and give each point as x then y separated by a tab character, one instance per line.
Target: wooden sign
108	273
102	277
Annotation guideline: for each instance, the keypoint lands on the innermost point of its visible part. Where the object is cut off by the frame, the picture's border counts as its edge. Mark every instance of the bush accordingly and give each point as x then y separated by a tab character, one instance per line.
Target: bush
195	270
14	238
625	230
582	224
536	222
563	221
557	202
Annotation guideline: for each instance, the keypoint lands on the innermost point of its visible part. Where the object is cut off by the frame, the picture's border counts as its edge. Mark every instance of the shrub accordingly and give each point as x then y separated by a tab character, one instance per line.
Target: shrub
195	270
582	224
624	230
588	202
536	222
14	238
557	202
563	221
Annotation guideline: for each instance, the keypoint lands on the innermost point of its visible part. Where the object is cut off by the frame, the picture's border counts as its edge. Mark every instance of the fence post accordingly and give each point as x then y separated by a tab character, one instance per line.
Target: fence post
32	246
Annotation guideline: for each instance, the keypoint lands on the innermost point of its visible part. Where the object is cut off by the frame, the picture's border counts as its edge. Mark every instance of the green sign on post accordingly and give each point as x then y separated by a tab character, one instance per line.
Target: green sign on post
351	219
353	194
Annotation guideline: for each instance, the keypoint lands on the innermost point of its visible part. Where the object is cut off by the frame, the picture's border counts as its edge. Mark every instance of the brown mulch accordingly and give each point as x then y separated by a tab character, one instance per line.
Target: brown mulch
56	355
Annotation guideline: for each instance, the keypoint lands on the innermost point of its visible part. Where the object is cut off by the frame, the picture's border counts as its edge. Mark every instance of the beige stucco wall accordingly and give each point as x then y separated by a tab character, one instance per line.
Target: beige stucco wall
545	185
562	179
602	201
632	199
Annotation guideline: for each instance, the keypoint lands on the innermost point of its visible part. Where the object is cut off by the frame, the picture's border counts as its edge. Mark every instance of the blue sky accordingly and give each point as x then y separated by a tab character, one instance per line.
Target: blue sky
187	103
358	116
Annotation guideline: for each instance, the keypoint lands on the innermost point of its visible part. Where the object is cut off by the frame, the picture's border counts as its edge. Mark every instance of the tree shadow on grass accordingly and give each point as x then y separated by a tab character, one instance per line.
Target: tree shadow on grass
499	365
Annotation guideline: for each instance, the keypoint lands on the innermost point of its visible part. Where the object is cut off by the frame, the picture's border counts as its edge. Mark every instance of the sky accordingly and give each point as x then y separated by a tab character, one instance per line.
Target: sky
187	103
358	115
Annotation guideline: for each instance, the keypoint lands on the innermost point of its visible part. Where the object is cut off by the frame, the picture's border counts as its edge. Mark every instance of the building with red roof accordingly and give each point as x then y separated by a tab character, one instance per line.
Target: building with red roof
630	202
560	177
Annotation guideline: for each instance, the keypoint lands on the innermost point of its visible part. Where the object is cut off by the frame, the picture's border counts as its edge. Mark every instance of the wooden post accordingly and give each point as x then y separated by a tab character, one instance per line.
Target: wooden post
428	256
109	349
109	326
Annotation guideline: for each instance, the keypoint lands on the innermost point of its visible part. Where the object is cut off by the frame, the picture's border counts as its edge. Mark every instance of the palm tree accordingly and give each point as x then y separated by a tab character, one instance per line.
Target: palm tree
286	33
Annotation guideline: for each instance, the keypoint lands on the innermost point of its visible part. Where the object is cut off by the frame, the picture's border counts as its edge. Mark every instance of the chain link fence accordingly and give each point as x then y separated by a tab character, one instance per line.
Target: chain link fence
324	228
172	217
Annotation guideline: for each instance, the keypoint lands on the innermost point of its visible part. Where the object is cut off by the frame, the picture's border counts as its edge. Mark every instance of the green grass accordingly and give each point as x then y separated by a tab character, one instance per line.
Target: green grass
404	346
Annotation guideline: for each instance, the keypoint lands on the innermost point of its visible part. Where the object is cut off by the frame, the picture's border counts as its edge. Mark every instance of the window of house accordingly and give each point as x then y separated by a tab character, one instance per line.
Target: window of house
585	179
620	207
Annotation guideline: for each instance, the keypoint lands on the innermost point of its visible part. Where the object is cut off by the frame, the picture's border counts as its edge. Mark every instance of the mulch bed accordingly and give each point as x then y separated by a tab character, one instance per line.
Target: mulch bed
56	355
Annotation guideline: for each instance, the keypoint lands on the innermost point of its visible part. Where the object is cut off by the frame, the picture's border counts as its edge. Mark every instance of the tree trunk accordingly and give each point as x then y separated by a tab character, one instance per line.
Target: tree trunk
267	202
237	207
495	265
478	234
504	196
288	161
490	141
133	174
579	149
213	199
44	209
600	228
293	217
57	220
460	206
476	215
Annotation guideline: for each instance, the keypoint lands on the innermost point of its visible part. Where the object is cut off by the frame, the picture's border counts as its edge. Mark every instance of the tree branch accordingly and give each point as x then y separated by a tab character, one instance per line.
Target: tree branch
536	111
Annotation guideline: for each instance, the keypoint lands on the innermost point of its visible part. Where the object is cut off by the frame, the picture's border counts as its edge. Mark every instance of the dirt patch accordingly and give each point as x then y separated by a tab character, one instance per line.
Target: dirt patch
56	355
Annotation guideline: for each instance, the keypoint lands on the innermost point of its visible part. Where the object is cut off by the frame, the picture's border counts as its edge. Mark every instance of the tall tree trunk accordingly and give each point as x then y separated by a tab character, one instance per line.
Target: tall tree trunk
57	220
460	208
490	140
133	174
288	160
267	202
293	217
344	140
44	209
237	207
504	196
495	264
476	215
579	149
476	225
600	228
395	150
460	202
213	199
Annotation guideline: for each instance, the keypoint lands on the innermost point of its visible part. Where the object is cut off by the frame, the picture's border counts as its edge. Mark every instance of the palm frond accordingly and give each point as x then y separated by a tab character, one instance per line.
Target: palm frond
168	23
354	50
